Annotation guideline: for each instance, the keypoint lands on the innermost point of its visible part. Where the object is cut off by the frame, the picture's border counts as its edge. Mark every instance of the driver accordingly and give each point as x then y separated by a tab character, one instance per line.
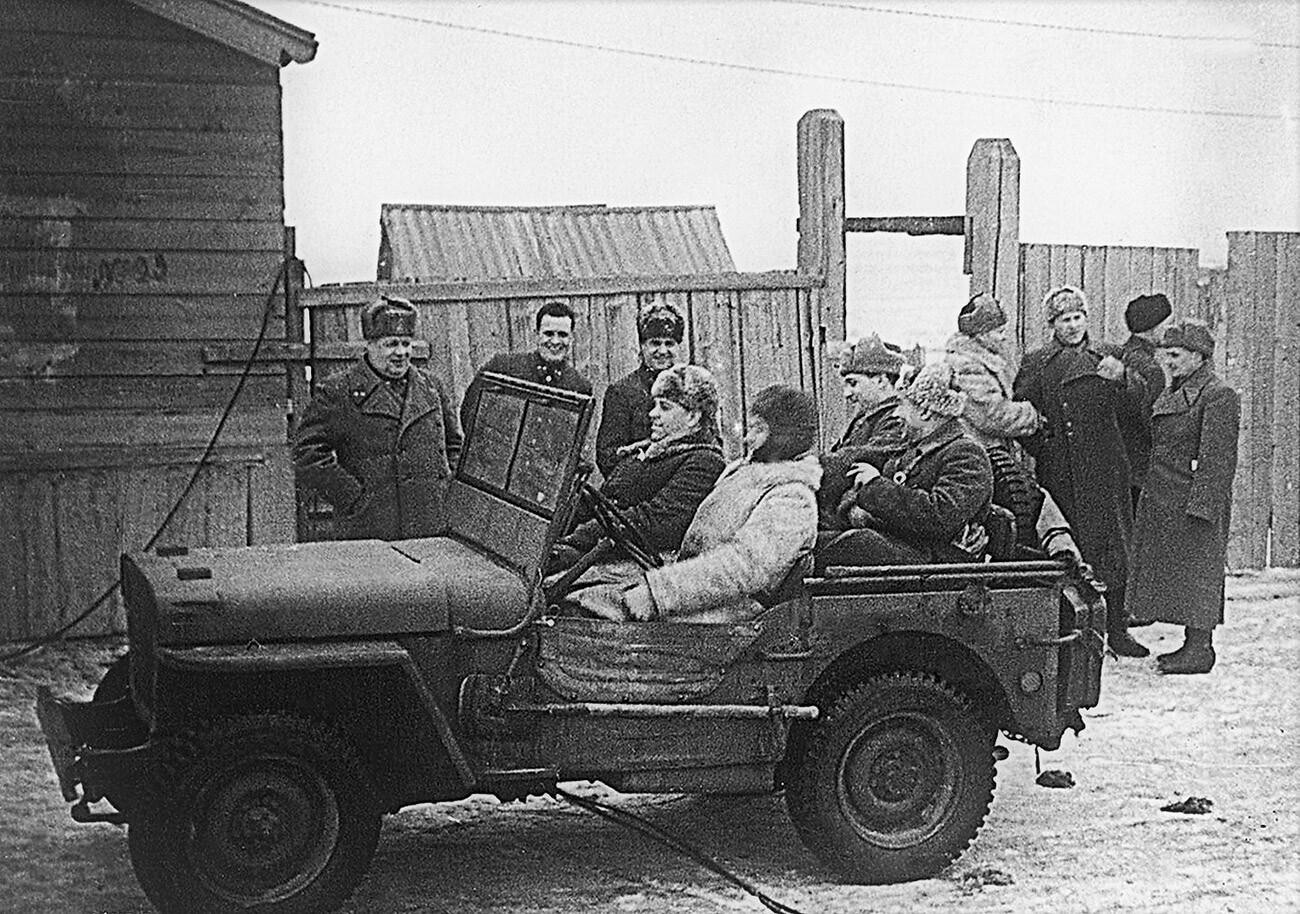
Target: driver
758	521
660	481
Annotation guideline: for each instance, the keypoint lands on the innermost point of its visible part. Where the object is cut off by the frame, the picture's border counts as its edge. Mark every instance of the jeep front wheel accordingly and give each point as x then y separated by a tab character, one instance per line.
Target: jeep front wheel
268	811
894	782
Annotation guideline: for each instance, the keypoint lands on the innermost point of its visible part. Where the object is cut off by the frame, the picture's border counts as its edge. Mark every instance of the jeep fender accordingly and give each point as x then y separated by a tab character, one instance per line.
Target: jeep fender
262	659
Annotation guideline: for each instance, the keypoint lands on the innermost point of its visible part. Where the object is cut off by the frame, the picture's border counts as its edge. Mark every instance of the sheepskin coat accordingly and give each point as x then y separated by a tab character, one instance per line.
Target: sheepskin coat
991	415
747	534
1180	538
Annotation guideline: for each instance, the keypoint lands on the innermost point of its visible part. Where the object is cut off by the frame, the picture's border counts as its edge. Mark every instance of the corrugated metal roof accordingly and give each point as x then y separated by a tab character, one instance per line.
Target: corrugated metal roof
484	243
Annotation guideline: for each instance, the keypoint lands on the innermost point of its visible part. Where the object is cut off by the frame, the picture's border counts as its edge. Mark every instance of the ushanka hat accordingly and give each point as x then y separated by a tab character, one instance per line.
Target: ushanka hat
1146	312
690	386
388	316
661	322
1063	300
791	418
933	391
1190	334
872	356
980	315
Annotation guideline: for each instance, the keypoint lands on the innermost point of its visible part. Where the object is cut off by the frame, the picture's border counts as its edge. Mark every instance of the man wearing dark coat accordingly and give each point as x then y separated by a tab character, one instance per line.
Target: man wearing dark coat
547	363
1181	534
1145	315
379	440
869	371
1093	410
625	409
927	503
661	480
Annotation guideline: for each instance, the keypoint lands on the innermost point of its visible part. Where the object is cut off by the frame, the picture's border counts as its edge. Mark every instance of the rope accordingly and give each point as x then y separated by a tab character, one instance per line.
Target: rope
58	633
654	832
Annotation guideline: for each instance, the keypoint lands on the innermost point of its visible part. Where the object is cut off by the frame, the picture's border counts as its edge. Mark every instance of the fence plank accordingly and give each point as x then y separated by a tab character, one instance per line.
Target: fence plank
89	536
1263	318
1094	282
1285	479
1036	282
717	335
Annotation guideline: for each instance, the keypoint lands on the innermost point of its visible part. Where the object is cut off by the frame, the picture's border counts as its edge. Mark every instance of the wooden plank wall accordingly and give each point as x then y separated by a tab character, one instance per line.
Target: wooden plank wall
1111	277
1253	307
141	221
751	331
1261	309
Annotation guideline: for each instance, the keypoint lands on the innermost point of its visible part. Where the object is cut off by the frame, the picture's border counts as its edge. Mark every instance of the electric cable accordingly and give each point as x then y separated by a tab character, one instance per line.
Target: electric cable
647	828
779	71
204	459
1047	26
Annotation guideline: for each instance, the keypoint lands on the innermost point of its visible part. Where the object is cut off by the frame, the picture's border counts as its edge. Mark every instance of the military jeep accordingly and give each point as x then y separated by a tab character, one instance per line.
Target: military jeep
276	701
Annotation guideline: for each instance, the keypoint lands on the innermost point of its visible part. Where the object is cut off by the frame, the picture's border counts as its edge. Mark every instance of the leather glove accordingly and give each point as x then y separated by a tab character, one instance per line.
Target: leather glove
562	558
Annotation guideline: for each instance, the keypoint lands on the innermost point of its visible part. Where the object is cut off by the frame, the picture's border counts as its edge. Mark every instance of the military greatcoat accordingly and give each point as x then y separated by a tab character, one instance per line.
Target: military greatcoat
624	416
1082	452
1181	534
874	436
381	453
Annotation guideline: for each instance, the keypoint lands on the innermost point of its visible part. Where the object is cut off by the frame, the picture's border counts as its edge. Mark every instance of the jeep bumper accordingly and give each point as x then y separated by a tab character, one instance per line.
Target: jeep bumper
99	750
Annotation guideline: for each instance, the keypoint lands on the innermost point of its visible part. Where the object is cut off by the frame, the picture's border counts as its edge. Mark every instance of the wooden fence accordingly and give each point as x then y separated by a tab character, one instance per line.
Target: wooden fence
749	329
1253	307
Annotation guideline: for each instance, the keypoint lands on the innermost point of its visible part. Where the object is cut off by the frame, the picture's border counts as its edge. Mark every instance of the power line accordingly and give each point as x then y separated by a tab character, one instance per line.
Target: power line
1019	23
777	71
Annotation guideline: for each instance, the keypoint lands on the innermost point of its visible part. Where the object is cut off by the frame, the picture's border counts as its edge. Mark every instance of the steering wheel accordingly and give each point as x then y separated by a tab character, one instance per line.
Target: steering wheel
618	528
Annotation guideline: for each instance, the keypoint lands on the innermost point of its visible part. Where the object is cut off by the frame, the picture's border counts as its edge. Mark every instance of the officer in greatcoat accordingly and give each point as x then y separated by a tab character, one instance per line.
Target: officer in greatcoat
1181	534
625	408
380	440
1093	410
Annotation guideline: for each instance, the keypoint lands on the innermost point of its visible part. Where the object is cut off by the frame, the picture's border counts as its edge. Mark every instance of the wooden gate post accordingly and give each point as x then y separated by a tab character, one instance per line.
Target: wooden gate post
993	226
821	244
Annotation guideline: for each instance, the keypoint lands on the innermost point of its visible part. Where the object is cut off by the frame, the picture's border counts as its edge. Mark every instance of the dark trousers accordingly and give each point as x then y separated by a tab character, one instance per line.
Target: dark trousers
865	546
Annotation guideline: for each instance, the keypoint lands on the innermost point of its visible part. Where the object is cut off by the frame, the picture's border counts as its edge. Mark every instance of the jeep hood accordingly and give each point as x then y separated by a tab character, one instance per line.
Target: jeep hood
318	590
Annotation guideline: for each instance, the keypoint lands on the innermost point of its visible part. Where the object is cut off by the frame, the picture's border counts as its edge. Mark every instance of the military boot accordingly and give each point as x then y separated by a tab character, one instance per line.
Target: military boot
1195	656
1117	636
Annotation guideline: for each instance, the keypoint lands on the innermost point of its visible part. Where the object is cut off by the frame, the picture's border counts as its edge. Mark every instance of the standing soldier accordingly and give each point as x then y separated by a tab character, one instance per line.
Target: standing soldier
380	439
1181	534
625	412
547	363
1093	407
1144	316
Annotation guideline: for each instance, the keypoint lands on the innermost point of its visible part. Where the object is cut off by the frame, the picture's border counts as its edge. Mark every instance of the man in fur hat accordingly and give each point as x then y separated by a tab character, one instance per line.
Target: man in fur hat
1093	410
1180	538
869	370
660	480
379	440
1145	316
625	409
926	504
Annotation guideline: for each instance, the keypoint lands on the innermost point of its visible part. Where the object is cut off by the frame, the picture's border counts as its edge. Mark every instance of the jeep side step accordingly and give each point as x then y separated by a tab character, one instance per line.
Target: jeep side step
627	709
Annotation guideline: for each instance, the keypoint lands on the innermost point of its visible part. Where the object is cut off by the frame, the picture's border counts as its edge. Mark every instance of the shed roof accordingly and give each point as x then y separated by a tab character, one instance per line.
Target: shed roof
423	243
239	26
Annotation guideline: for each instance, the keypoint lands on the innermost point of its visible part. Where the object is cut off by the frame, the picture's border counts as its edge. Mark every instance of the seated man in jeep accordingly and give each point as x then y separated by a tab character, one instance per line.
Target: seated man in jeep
927	504
659	482
751	530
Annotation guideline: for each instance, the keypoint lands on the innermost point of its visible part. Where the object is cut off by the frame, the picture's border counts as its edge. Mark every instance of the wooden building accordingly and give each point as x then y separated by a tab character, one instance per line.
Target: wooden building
141	247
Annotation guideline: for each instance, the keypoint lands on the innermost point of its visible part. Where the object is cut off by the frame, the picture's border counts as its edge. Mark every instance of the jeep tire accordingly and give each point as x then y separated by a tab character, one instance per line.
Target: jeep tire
268	811
894	782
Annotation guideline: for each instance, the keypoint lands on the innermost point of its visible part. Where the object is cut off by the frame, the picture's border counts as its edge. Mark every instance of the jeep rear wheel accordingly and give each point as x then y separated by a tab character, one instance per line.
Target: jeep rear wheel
894	782
270	811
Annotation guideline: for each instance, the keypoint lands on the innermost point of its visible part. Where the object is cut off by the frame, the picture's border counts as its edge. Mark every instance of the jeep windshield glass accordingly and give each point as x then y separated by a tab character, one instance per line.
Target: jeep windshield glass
519	449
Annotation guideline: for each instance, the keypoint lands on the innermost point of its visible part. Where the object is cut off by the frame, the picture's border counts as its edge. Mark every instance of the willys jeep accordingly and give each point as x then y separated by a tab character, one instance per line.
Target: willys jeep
276	701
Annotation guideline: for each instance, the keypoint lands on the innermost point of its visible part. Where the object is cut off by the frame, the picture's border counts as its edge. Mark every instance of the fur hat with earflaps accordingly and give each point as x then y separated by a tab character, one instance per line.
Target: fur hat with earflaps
933	391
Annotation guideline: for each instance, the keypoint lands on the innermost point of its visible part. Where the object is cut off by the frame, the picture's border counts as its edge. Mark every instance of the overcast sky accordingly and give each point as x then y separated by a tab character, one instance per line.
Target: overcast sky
1143	139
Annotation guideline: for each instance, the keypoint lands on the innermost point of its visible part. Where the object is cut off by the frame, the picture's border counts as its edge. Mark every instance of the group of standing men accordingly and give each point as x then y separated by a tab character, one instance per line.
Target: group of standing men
1118	458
